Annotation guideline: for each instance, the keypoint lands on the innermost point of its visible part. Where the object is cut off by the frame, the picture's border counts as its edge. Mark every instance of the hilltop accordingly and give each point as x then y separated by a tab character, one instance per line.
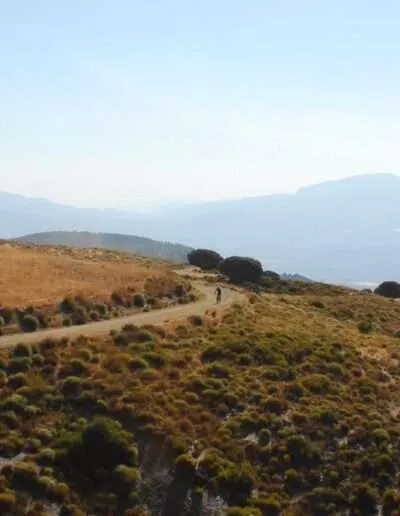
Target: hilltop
128	243
283	403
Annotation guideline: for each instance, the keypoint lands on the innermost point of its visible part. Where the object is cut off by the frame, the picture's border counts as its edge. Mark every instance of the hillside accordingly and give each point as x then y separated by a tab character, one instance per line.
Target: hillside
280	405
127	243
343	231
50	286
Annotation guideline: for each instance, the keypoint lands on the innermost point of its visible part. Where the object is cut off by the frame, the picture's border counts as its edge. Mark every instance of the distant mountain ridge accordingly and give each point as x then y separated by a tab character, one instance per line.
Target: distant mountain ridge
342	231
128	243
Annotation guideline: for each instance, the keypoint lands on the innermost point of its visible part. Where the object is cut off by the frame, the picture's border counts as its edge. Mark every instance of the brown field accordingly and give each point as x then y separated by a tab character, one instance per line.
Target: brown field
41	276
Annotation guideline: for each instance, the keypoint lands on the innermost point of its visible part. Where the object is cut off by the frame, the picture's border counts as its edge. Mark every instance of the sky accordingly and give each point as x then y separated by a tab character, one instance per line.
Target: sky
132	103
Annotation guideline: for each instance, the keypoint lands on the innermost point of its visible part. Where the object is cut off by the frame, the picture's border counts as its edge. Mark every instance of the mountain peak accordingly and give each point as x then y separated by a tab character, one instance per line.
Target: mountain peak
365	184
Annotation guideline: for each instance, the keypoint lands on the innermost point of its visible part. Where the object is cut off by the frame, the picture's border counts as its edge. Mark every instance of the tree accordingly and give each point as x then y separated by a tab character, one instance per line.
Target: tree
389	289
206	259
241	270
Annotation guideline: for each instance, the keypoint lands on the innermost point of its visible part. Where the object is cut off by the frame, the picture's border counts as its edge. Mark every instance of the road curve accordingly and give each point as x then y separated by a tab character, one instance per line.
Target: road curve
97	329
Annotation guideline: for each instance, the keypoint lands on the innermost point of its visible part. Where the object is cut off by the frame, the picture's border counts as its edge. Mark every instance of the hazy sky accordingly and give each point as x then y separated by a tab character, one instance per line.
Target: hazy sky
117	102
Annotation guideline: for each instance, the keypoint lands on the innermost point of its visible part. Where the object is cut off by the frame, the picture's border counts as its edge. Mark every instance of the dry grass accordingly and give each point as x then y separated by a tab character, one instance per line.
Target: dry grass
40	276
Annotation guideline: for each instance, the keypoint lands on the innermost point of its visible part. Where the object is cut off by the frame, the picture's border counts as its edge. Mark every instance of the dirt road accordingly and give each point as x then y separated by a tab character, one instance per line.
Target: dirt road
156	317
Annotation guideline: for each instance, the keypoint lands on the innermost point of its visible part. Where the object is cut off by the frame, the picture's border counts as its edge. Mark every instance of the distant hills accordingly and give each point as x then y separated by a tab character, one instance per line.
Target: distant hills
128	243
345	231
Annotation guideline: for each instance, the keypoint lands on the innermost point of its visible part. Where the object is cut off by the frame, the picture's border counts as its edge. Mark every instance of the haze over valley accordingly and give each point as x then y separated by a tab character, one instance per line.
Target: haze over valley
345	231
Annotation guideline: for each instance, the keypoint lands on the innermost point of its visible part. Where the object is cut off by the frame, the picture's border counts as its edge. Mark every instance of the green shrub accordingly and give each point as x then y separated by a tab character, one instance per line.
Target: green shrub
317	383
22	350
365	327
17	380
103	444
389	289
206	259
46	457
102	309
15	403
138	300
71	386
94	316
7	503
136	364
126	478
29	323
8	315
80	316
185	467
26	476
68	305
78	367
241	270
67	321
19	364
154	359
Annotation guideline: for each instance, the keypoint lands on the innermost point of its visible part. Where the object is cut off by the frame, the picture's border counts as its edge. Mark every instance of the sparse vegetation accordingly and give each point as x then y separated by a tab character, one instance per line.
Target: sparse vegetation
283	405
67	286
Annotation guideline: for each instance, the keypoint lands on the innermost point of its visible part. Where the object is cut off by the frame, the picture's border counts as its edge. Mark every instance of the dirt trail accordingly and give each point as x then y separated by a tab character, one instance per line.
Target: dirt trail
97	329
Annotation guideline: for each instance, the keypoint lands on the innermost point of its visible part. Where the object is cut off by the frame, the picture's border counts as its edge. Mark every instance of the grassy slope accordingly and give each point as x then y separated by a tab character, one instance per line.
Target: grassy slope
284	395
40	275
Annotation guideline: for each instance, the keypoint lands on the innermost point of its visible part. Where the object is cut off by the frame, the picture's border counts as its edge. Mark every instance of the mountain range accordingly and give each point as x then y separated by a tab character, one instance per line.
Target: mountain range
344	231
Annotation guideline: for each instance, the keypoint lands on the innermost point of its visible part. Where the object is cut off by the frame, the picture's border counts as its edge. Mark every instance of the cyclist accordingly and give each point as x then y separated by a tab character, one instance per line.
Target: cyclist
218	294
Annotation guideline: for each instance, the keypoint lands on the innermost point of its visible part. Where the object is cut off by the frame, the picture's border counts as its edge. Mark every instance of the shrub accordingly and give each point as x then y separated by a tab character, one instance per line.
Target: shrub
17	380
118	298
7	502
365	326
138	300
72	386
80	316
26	475
103	444
78	367
29	323
364	500
389	289
317	383
270	276
180	291
68	305
154	359
94	316
136	364
67	321
19	364
22	350
127	478
206	259
185	467
196	320
7	315
241	269
102	309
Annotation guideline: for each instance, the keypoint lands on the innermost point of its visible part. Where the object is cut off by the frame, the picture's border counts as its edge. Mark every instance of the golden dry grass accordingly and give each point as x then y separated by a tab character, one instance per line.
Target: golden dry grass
40	276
